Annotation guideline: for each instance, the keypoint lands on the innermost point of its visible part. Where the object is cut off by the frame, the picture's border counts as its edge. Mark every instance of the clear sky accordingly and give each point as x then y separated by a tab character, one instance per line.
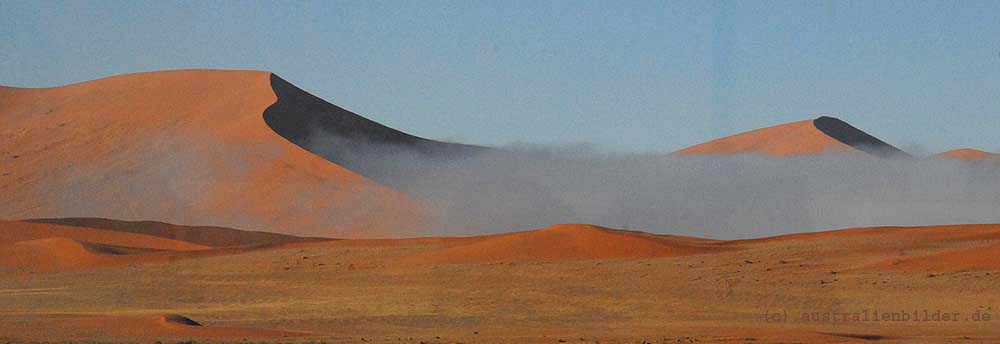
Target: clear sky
627	76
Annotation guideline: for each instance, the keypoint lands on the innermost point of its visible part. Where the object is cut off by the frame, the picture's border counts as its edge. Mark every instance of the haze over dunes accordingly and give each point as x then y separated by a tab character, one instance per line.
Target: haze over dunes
822	135
187	147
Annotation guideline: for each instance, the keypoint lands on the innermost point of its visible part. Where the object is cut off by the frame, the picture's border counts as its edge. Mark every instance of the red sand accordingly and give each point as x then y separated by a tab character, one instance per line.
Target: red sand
796	138
241	165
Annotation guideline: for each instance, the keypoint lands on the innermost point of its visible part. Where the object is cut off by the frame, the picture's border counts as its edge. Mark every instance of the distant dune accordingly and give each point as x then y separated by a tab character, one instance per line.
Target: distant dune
821	135
201	235
191	147
15	231
568	241
51	247
968	154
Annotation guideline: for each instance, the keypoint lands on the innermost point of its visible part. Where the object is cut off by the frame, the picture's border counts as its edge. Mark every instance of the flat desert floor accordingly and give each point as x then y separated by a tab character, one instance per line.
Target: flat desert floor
563	284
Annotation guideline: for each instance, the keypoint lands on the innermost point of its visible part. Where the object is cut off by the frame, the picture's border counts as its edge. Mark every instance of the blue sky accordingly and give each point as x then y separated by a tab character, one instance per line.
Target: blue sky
626	76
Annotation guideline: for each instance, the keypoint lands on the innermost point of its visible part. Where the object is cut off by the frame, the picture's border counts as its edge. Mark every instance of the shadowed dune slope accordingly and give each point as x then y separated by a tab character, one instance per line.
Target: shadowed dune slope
201	235
344	137
822	135
568	241
967	154
187	147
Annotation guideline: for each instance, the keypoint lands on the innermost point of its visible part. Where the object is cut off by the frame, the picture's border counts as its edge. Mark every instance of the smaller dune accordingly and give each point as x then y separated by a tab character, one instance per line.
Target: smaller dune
51	254
567	241
967	154
14	231
209	236
810	137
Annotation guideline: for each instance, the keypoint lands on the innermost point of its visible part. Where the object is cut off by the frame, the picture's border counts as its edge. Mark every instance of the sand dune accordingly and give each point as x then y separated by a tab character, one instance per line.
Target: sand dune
568	241
818	136
40	247
183	147
200	235
14	231
968	154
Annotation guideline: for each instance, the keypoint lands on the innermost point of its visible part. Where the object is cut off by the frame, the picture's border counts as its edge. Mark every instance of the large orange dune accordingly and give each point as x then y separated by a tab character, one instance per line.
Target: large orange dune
185	146
809	137
967	154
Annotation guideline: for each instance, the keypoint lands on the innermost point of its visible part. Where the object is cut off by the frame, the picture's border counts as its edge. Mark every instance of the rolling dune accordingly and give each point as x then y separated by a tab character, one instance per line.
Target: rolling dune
567	242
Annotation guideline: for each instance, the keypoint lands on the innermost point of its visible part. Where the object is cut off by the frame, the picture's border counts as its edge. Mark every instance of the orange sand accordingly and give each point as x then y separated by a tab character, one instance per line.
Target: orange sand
796	138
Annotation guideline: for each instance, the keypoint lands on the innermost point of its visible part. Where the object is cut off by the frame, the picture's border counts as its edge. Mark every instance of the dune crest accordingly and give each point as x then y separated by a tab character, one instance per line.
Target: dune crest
821	135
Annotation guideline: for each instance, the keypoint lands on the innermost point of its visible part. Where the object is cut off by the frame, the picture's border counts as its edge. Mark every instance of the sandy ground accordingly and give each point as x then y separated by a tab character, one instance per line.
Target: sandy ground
433	290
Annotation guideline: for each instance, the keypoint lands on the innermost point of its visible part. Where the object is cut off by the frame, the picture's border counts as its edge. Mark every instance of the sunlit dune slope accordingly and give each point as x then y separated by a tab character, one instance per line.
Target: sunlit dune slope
818	136
187	147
